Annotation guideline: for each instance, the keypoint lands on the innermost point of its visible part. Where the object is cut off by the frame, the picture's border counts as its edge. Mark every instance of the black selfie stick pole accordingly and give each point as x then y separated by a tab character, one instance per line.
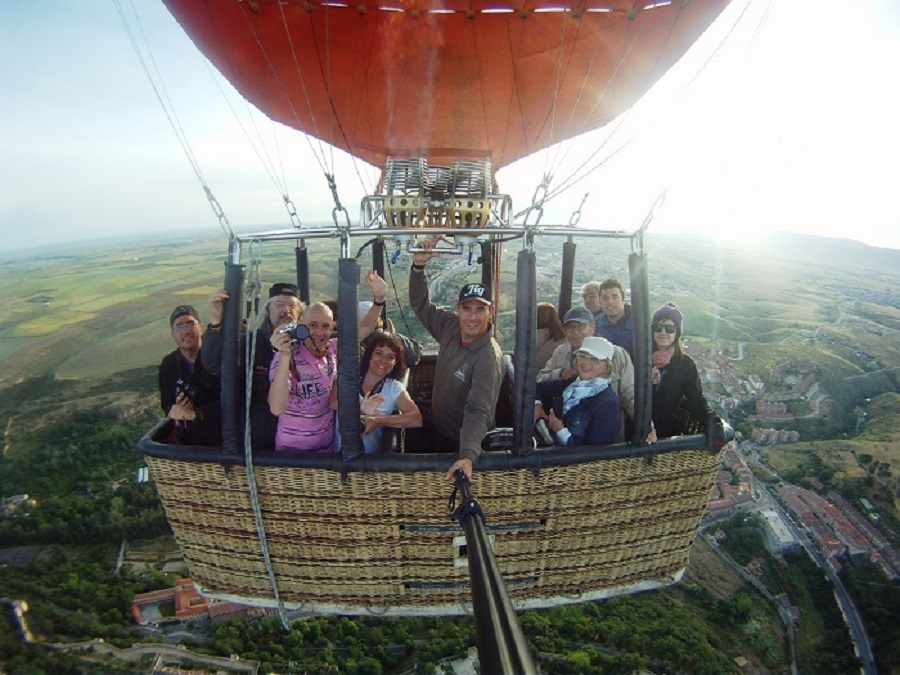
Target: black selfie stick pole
501	643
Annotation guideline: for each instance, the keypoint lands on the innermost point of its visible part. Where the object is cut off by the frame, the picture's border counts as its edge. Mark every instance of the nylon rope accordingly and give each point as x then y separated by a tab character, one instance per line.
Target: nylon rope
320	154
253	292
601	95
559	160
515	73
484	113
559	72
584	80
287	98
162	96
266	162
574	178
333	117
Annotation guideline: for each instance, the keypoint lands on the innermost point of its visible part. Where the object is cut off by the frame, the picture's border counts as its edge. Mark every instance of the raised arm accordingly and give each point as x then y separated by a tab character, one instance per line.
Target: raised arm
211	353
279	374
379	289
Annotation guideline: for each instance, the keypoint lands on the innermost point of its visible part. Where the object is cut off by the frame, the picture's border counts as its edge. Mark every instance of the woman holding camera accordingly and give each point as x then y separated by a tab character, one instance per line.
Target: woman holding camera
678	403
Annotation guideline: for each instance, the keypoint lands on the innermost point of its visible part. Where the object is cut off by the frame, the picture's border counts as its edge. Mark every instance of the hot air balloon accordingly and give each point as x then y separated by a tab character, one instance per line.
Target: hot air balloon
439	95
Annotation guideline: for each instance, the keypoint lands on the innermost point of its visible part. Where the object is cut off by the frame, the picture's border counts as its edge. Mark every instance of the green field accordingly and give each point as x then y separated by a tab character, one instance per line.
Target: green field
83	329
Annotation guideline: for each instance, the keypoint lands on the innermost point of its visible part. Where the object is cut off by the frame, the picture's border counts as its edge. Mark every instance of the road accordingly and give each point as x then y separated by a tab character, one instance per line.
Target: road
861	642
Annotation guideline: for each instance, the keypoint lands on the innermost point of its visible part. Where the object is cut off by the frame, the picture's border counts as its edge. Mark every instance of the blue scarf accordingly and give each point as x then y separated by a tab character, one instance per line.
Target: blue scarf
580	389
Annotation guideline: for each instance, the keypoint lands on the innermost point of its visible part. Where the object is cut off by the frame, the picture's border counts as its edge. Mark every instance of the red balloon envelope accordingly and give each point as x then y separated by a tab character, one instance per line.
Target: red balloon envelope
443	80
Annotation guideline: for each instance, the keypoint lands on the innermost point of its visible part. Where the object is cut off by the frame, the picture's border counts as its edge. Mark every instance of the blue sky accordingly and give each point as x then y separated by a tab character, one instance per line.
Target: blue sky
791	126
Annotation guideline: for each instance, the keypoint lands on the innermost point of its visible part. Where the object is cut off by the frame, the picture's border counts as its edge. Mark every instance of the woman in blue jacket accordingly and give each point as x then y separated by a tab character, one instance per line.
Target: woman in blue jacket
583	410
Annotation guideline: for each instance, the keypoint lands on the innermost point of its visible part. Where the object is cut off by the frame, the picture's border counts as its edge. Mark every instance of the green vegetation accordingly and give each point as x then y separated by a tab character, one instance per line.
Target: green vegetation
878	601
83	330
824	644
81	473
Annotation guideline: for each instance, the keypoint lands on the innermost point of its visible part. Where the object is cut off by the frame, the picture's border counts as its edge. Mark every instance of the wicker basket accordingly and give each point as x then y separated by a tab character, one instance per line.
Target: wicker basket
383	542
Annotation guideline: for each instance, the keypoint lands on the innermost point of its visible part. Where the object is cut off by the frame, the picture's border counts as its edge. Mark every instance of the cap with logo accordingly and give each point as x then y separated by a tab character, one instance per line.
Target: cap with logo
476	291
183	310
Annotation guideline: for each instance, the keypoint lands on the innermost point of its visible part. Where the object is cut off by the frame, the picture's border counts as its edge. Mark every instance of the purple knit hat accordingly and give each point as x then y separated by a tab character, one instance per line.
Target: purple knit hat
669	311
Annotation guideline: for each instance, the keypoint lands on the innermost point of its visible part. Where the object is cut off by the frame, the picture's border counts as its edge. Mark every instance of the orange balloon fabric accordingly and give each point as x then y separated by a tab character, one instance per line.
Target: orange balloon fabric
443	80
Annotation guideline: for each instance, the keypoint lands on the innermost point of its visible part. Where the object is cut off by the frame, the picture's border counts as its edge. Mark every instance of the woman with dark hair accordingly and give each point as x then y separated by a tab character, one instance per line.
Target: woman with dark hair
678	404
550	333
381	391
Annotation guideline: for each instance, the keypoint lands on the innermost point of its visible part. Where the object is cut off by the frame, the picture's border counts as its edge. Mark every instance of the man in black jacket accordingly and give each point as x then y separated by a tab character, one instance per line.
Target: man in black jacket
188	394
283	307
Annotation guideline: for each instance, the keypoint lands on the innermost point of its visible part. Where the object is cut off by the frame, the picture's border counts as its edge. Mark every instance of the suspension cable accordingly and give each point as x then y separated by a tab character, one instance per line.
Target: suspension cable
253	293
581	173
320	154
267	163
162	96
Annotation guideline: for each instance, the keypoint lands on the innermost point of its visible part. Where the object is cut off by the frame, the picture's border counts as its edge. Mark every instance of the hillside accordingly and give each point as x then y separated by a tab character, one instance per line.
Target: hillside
82	331
867	464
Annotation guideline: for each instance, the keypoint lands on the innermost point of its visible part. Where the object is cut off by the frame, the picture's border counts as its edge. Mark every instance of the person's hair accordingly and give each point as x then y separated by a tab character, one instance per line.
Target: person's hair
591	286
548	317
301	307
612	283
384	340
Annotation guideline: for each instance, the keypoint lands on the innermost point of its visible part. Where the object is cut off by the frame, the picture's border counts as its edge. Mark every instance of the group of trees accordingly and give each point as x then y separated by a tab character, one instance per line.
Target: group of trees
82	473
824	643
652	631
878	600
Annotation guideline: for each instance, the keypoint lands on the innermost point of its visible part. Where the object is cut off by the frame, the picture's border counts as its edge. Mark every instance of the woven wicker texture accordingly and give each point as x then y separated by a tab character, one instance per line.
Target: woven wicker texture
372	540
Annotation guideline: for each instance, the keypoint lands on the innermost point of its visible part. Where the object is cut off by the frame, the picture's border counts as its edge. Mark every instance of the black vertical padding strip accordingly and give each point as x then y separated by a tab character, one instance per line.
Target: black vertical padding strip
302	255
487	267
525	352
378	265
348	359
640	309
230	398
567	278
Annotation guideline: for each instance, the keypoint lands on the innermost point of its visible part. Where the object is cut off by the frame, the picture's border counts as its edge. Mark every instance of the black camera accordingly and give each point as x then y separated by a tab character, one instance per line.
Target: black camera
185	387
297	331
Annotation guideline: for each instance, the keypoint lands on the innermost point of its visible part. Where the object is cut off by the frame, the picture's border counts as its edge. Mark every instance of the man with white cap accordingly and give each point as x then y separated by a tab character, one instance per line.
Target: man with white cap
468	373
583	411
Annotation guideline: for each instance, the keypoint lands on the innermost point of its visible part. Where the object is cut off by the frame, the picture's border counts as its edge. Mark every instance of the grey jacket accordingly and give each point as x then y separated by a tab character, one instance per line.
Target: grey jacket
467	377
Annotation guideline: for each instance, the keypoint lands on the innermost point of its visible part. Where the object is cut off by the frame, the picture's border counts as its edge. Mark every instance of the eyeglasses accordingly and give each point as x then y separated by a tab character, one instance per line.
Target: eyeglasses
576	325
281	304
184	325
669	328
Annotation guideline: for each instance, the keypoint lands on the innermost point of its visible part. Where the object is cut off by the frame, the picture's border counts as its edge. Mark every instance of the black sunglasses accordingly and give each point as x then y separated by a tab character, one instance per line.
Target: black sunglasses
669	328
